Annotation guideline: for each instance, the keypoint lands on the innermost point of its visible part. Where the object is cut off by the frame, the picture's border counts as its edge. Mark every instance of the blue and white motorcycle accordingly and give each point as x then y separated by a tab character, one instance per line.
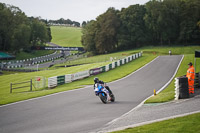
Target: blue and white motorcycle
103	93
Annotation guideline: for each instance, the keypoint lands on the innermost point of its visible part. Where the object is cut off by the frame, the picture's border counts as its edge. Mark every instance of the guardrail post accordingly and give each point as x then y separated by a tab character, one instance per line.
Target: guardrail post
31	85
10	87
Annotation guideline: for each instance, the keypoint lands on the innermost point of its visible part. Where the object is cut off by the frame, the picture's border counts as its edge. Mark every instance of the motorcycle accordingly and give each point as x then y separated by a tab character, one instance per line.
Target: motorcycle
104	94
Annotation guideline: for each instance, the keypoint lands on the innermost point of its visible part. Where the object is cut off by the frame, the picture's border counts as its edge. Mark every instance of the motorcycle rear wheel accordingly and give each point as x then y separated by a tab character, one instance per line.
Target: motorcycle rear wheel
112	98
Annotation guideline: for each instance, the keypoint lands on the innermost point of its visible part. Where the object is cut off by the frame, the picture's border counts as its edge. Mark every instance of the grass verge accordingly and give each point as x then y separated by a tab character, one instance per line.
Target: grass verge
18	95
149	53
186	124
66	36
33	54
168	94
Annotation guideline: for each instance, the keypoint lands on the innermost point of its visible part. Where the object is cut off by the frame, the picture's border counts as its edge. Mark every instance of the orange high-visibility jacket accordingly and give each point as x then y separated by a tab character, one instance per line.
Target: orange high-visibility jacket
190	73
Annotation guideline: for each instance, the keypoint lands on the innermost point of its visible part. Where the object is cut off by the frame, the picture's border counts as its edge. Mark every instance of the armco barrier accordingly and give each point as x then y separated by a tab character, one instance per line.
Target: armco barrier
68	78
80	75
59	80
116	64
107	68
133	57
52	82
120	62
113	65
103	68
110	66
125	61
95	71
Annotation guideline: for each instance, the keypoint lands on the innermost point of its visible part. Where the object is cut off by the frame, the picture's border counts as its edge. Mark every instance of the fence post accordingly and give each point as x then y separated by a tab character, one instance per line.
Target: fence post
31	85
10	87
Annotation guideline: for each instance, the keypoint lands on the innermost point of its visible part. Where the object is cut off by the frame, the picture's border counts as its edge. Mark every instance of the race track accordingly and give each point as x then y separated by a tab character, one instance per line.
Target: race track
80	110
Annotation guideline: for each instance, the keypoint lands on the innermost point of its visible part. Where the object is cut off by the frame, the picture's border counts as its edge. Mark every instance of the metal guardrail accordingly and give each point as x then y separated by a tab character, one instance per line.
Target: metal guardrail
12	84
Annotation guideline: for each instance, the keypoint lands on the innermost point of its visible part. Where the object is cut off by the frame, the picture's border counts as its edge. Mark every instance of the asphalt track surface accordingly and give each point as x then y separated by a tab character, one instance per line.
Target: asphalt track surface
150	113
80	110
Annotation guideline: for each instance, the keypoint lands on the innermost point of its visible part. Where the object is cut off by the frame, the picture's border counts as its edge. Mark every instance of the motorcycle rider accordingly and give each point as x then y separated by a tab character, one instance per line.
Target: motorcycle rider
97	81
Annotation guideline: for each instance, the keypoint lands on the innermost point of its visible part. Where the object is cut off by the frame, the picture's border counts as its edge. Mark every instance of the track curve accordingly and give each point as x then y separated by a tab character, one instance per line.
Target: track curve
80	110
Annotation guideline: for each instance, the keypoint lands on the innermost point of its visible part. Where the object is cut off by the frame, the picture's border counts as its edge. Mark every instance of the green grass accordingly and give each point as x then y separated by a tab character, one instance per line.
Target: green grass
33	54
66	36
99	58
22	94
186	124
149	53
176	50
169	93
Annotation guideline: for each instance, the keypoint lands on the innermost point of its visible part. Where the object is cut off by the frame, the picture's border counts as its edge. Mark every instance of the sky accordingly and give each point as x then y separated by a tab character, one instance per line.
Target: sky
75	10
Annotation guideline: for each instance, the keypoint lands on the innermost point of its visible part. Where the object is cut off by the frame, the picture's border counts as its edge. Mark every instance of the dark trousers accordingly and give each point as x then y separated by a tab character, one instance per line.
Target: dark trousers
108	89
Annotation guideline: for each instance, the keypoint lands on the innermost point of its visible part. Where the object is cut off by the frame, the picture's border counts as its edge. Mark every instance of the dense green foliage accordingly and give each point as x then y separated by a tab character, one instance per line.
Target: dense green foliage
101	36
157	22
62	21
18	32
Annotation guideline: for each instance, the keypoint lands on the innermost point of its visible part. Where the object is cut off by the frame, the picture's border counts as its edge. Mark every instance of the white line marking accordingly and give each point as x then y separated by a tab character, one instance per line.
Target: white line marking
48	95
36	98
135	71
172	76
138	106
153	121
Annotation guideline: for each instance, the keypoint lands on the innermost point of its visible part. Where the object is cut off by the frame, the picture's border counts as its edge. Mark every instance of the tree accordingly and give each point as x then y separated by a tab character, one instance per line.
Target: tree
132	32
190	16
21	31
169	20
49	38
18	32
107	29
153	20
77	24
39	33
68	21
21	38
88	37
84	23
100	36
6	27
198	24
14	29
158	22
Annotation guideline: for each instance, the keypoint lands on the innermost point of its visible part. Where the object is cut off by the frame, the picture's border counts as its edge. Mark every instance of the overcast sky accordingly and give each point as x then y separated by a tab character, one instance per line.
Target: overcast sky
75	10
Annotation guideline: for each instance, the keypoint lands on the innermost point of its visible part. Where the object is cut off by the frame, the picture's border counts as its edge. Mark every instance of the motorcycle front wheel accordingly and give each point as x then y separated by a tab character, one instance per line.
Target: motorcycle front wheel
103	98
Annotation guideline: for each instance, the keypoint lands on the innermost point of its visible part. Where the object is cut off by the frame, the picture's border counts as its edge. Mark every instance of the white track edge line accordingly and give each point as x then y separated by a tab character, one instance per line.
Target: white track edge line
48	95
153	121
134	71
138	106
172	76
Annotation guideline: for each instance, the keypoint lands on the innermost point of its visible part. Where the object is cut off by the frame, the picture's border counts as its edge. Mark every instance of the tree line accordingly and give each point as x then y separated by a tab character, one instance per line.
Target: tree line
19	32
158	22
62	21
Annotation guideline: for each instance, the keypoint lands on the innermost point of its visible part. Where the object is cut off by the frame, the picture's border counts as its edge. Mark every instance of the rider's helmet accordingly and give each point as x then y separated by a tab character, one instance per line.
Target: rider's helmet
96	80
